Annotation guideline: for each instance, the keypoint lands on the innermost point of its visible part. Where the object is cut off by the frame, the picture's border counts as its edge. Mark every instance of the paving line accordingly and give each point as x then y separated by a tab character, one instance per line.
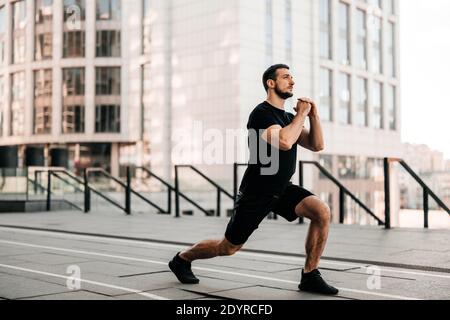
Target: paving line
241	253
197	268
101	284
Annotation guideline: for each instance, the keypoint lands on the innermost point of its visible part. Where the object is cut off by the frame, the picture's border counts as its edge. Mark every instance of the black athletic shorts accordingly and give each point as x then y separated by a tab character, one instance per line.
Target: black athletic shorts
250	210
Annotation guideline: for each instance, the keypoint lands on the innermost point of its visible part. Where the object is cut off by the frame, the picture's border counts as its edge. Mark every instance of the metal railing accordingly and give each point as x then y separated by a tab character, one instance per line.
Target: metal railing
128	190
220	190
58	174
343	191
165	183
427	192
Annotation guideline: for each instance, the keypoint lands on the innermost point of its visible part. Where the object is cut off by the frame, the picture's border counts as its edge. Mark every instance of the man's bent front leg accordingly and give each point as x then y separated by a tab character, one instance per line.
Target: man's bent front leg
319	213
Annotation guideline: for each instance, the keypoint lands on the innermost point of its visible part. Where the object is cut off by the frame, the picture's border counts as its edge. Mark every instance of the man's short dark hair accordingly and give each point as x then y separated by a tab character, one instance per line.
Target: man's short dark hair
271	74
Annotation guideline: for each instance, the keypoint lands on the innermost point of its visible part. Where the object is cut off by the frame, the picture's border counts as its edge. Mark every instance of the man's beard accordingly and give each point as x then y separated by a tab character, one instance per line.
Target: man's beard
283	95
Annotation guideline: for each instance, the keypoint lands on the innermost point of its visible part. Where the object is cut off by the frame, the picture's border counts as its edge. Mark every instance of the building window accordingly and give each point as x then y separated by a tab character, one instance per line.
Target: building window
344	33
43	30
19	31
375	3
107	119
269	32
73	82
146	112
325	29
73	100
325	94
74	10
391	50
2	102
391	106
390	6
43	101
108	9
107	81
362	103
2	35
377	105
326	161
344	99
73	119
108	43
288	30
376	45
74	42
361	38
146	26
18	103
346	167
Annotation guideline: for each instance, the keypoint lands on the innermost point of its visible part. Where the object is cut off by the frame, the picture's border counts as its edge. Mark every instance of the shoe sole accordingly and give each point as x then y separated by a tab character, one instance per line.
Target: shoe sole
180	279
325	294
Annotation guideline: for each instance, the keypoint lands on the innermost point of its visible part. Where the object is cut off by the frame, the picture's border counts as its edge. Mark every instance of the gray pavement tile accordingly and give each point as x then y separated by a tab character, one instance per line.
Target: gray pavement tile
428	290
51	258
169	293
74	295
267	293
14	287
13	251
247	264
115	268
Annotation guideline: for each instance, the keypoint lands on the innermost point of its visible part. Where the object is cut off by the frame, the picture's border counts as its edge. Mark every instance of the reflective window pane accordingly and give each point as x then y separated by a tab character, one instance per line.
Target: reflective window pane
108	43
43	101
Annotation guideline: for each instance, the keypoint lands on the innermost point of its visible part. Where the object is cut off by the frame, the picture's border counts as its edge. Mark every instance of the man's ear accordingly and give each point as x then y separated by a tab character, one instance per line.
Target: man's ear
271	83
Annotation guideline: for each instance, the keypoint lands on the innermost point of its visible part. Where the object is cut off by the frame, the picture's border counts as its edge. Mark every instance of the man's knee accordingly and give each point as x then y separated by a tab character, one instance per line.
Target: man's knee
322	214
226	248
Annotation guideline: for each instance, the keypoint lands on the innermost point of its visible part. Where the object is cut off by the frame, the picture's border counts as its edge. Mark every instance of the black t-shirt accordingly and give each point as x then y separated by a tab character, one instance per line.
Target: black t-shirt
263	175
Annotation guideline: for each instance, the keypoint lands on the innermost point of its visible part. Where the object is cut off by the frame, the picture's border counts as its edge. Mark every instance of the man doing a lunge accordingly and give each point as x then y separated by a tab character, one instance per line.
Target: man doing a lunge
264	190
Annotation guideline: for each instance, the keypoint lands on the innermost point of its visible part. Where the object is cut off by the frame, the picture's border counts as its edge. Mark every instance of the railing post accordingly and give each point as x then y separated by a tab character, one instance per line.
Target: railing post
341	206
425	208
235	174
128	193
26	186
301	220
87	192
177	194
49	188
35	181
387	195
169	201
218	203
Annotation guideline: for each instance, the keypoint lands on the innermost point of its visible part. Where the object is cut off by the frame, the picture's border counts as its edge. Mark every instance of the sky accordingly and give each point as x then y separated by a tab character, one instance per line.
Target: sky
425	73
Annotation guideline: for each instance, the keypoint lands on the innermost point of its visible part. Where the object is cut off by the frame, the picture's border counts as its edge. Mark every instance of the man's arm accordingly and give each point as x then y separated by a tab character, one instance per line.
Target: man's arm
285	138
312	139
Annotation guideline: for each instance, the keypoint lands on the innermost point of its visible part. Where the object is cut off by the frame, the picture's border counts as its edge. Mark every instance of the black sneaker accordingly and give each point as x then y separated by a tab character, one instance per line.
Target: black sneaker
313	282
182	270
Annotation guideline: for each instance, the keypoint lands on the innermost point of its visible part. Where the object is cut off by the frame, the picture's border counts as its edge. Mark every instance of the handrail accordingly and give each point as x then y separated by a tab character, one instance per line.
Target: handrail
208	179
76	188
44	189
128	189
342	192
55	174
177	191
169	188
36	185
426	190
173	189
